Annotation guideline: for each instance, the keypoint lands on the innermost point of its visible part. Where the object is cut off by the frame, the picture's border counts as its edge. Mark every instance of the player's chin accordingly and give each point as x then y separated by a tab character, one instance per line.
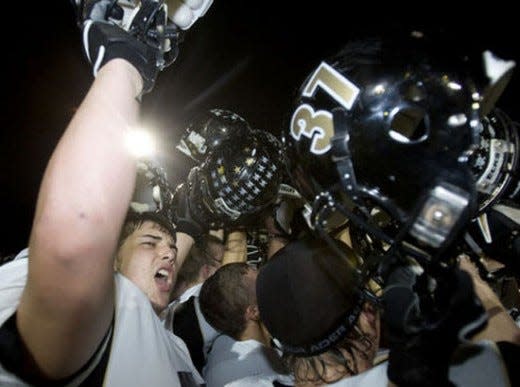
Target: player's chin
164	300
159	302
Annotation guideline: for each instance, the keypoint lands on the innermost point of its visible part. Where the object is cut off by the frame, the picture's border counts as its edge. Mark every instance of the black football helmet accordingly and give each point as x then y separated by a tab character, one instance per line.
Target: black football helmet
495	161
382	134
237	182
211	130
495	232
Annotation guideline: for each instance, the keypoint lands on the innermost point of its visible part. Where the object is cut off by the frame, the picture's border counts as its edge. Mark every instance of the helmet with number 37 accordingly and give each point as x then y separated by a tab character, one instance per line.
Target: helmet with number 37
382	132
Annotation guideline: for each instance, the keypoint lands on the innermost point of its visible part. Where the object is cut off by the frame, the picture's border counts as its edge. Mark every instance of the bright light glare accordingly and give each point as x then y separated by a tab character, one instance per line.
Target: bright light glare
454	86
140	143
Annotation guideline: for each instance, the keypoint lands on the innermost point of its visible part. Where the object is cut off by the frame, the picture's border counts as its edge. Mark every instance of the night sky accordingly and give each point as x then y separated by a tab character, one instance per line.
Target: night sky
245	56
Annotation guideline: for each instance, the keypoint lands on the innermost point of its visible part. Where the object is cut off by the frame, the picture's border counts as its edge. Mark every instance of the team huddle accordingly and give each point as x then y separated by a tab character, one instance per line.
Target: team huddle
373	241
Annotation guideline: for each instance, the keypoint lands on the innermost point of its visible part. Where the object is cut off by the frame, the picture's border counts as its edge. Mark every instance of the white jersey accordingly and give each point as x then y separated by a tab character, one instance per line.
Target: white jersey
231	360
193	291
142	352
208	333
23	254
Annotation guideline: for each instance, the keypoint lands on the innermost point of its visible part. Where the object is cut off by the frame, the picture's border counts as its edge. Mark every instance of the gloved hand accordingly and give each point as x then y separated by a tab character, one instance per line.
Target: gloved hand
104	41
288	202
423	332
191	215
98	10
149	41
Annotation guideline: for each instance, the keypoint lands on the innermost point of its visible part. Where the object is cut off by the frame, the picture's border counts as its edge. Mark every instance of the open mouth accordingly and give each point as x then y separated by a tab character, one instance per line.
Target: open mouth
161	279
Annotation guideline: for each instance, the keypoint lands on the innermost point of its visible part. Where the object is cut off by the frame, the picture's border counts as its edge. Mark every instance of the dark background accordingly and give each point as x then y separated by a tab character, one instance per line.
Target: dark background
245	56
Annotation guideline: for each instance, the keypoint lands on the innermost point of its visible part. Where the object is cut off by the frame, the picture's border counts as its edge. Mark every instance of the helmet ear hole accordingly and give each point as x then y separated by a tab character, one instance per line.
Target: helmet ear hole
409	125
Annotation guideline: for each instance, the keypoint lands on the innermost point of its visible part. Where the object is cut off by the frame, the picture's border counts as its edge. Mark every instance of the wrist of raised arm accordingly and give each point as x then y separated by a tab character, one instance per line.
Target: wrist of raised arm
122	71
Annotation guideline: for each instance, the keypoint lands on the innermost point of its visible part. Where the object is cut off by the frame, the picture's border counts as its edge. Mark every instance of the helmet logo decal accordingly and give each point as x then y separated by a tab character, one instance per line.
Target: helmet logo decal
319	125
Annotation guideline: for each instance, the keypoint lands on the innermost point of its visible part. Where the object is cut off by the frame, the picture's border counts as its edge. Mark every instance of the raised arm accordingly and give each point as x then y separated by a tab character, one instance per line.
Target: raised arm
81	205
67	304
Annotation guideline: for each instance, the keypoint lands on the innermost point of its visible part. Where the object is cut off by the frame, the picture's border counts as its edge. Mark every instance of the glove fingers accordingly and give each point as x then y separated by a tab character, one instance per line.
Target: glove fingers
182	15
185	13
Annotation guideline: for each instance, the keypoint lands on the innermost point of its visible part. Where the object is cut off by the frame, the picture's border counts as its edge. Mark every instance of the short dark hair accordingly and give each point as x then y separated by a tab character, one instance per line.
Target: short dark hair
134	220
224	298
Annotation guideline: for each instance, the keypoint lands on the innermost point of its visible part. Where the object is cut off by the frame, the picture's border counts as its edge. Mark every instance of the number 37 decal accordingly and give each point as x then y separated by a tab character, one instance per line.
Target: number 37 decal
318	125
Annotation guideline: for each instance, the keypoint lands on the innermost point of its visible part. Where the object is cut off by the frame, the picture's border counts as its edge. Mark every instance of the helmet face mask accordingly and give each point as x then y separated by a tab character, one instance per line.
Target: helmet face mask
386	128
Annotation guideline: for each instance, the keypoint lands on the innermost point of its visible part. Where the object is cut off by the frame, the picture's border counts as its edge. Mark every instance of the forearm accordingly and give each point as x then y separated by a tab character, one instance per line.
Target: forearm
89	180
236	247
184	245
501	326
